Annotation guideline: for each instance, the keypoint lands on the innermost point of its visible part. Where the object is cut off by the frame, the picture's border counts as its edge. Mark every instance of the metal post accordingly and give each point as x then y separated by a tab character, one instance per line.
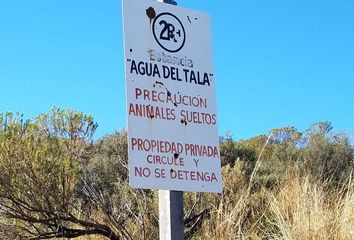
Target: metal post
171	215
171	205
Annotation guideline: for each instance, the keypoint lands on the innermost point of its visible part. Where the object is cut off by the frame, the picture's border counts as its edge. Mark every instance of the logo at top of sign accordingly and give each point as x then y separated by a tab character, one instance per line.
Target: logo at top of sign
169	32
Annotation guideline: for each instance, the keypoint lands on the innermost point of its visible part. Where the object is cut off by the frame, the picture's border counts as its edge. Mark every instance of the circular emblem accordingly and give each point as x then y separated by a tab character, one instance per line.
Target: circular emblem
169	32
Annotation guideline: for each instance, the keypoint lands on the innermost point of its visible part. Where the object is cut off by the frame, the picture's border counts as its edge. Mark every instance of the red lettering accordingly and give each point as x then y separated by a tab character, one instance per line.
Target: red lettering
146	94
137	93
142	172
160	173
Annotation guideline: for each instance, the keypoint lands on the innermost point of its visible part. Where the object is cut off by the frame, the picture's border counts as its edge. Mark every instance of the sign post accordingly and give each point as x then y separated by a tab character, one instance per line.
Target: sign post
173	142
171	216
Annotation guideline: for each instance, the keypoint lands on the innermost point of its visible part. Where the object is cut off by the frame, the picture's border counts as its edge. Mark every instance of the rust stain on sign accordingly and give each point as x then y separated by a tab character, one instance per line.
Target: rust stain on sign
150	12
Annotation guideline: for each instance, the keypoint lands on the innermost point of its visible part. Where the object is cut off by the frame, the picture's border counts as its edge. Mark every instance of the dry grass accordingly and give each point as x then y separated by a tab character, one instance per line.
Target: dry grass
298	209
230	217
302	210
345	215
305	210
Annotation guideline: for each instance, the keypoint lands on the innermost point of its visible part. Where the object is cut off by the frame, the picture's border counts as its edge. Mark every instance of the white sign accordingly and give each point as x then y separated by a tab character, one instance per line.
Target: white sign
170	87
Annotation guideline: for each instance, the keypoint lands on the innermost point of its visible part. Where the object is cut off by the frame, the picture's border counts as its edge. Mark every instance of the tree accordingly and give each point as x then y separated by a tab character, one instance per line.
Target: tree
231	150
105	190
327	155
41	163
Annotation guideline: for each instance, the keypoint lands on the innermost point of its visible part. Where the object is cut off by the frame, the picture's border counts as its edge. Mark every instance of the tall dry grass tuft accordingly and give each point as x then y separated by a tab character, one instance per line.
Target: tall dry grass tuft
308	210
239	213
298	209
229	218
345	213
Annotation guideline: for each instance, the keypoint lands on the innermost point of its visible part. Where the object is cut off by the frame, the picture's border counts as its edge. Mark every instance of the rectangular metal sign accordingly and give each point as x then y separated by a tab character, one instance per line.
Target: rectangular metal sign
173	141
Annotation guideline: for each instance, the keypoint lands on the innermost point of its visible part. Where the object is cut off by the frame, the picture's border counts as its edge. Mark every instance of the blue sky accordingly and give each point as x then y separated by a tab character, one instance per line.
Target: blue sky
277	63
